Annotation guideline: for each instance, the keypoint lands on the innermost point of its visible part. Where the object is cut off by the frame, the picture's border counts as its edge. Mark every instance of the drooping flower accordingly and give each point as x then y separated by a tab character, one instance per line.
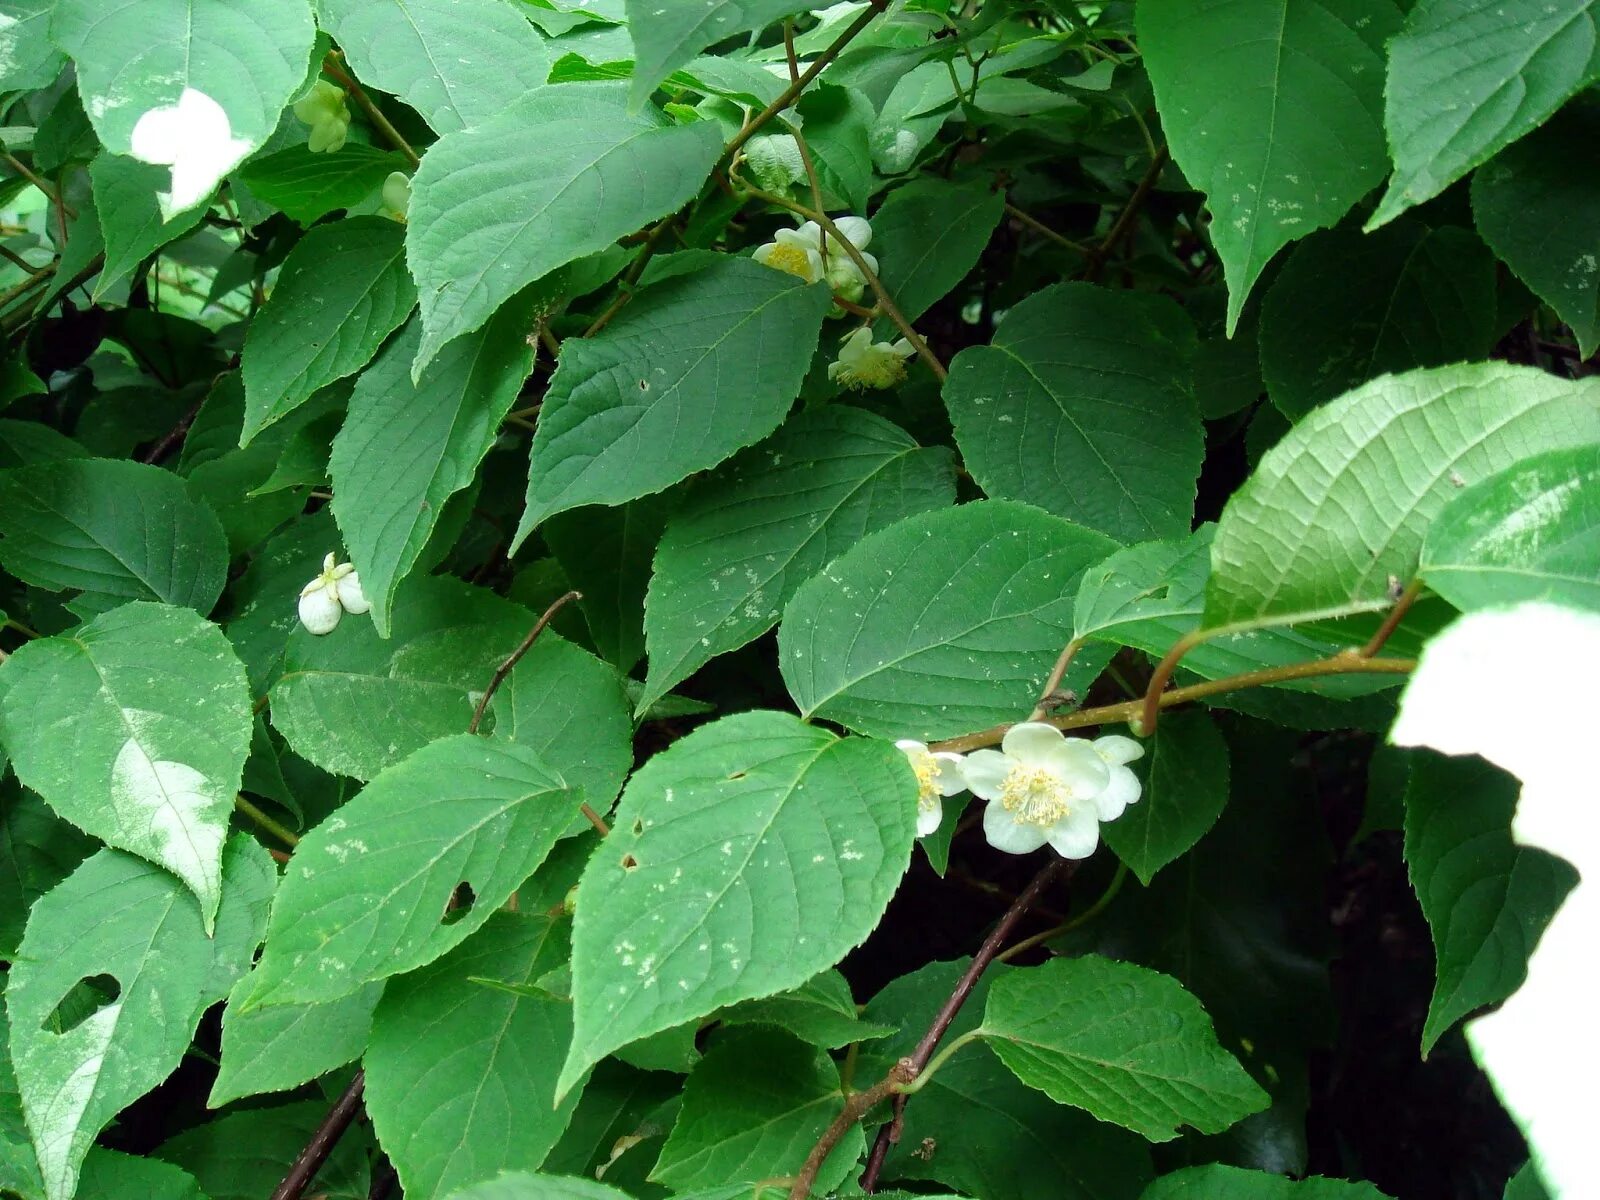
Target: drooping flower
336	591
792	252
397	194
324	109
1041	787
1117	752
811	254
863	363
938	775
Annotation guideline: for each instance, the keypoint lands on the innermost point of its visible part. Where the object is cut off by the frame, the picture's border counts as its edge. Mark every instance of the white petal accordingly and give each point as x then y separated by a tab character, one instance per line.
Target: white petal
1032	741
947	776
1005	834
928	819
330	562
1122	791
320	611
809	235
1080	768
1118	750
351	595
985	772
763	252
1077	834
910	744
857	231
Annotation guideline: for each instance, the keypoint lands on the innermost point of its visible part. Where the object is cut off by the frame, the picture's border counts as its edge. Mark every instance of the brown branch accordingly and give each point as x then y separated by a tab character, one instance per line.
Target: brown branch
1057	674
322	1142
856	1106
918	1058
515	656
1129	213
1159	678
635	271
1043	230
344	79
1402	606
172	436
28	173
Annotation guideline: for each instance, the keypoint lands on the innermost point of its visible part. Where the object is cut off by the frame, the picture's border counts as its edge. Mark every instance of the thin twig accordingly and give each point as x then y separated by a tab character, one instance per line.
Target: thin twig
635	271
1083	918
1057	673
1162	675
1044	230
791	93
344	79
856	1106
1392	622
918	1058
266	823
515	656
173	436
28	173
12	256
20	290
316	1151
1129	213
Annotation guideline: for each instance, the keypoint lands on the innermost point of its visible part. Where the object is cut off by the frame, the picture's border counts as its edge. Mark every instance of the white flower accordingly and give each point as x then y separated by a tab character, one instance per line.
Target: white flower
330	595
1117	752
863	363
1041	787
397	194
793	253
810	254
324	109
938	775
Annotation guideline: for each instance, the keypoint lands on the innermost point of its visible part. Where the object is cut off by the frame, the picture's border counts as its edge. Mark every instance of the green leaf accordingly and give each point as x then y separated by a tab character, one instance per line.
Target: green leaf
928	235
19	1166
279	1048
461	1070
821	1012
307	187
1487	900
406	448
196	87
130	219
1348	307
37	851
973	1104
1185	789
770	519
738	1124
1529	532
1272	109
341	292
244	1155
1084	405
1208	1182
572	710
143	750
370	885
836	120
108	1175
698	365
1127	1044
1469	77
1538	205
492	209
353	703
1336	512
125	926
114	530
29	57
519	1185
457	62
1526	1185
666	36
941	624
742	860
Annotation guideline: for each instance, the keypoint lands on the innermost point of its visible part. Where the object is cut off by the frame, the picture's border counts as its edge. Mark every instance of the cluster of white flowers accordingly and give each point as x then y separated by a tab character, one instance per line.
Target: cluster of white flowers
1040	787
324	109
336	591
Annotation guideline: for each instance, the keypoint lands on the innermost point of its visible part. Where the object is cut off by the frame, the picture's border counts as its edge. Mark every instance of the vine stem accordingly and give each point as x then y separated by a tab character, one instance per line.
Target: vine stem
344	79
1348	663
856	1106
1032	222
1057	674
1130	211
265	823
635	271
885	301
1391	622
515	656
918	1059
32	176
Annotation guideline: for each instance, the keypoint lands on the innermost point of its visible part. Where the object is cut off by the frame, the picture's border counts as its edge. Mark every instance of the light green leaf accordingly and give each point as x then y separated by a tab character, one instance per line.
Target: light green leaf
1083	404
1487	900
1272	109
1185	790
37	851
279	1048
30	58
246	1154
1336	512
136	939
738	1124
1469	77
307	187
666	36
1236	1183
406	448
142	749
929	234
821	1012
114	530
941	624
457	62
1348	307
1538	205
341	292
698	365
353	703
1529	532
771	518
108	1175
1125	1043
193	86
742	860
369	886
520	1185
492	209
19	1166
130	218
462	1067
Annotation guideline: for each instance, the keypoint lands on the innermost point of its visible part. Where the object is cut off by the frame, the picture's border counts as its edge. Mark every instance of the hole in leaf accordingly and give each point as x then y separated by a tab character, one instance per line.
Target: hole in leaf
737	775
638	827
83	999
461	902
1158	593
629	862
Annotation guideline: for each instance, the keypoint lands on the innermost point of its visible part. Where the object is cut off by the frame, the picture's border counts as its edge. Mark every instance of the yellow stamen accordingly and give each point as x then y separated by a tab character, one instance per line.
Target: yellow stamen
1034	796
926	768
790	259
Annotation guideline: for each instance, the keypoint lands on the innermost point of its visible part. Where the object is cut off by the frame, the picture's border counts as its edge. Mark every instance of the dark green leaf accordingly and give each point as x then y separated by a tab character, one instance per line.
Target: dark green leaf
1185	789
